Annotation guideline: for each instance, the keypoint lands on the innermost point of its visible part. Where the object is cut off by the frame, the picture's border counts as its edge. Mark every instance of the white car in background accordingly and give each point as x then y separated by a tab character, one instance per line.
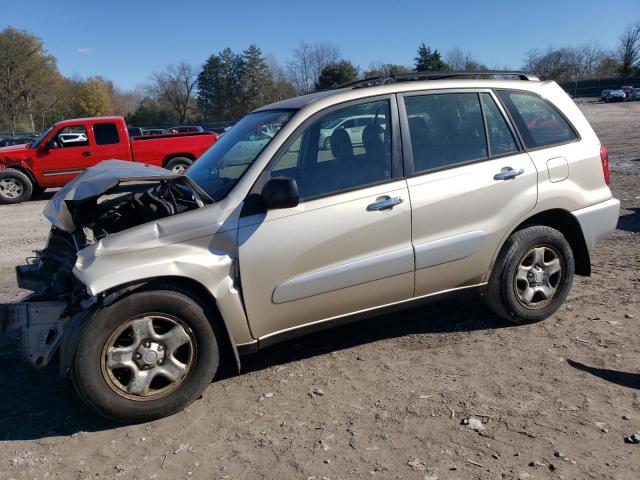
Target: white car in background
353	125
69	138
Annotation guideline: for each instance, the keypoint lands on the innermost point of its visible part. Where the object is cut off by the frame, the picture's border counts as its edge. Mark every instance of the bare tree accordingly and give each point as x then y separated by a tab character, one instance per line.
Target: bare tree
307	62
282	87
629	49
175	87
456	59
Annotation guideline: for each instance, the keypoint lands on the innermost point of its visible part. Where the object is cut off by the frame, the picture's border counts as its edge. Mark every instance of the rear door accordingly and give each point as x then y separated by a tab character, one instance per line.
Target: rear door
468	179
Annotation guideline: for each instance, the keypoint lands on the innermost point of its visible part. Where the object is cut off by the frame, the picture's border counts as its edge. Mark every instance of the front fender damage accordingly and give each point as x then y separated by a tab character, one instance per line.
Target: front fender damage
105	242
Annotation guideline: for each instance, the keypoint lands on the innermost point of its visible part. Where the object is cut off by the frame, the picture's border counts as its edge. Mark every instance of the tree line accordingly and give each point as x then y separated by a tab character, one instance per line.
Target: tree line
34	94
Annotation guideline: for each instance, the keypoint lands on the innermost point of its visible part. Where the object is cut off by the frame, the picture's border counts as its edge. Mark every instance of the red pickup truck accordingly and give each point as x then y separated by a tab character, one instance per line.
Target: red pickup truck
71	146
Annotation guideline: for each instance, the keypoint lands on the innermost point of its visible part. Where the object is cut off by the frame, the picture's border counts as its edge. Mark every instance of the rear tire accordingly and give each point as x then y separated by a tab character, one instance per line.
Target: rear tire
15	186
146	356
532	275
179	165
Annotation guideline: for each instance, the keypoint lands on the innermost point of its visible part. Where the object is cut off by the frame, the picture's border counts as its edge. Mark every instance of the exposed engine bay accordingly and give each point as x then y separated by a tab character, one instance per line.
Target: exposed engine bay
50	271
109	198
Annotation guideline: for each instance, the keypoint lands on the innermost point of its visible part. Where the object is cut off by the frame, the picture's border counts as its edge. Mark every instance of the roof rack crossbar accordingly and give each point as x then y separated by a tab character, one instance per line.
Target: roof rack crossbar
439	75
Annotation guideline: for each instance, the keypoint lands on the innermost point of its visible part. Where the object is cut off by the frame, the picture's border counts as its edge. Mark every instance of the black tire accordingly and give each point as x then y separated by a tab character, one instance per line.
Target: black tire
503	294
15	186
93	383
178	164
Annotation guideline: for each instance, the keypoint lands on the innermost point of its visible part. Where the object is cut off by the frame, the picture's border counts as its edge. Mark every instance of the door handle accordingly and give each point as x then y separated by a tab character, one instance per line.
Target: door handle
387	203
87	154
508	173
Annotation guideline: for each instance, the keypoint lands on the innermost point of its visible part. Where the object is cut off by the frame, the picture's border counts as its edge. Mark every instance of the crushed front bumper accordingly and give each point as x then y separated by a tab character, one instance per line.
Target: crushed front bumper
39	326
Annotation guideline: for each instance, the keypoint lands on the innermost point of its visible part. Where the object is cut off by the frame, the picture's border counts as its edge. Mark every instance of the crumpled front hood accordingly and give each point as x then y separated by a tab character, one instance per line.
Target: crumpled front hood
96	181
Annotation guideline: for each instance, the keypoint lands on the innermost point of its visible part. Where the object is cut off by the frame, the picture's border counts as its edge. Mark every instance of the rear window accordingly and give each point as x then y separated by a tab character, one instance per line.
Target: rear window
539	122
106	133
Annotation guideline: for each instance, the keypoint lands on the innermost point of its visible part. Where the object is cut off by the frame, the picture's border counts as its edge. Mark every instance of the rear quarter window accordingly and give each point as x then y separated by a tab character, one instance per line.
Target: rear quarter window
539	122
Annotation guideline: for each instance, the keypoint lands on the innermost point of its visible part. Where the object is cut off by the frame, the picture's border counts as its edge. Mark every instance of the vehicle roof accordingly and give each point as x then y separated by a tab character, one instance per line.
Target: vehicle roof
90	120
351	93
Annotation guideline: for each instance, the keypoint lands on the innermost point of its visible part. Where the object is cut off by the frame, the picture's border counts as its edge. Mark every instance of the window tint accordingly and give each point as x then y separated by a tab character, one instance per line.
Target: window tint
106	133
328	158
501	139
539	123
445	130
73	136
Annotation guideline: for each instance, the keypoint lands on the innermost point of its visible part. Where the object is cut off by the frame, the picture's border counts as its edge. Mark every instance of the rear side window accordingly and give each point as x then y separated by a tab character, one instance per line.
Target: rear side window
106	133
538	121
501	141
445	130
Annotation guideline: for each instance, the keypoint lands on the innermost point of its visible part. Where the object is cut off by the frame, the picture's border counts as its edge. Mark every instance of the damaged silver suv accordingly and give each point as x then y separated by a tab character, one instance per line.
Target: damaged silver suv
428	183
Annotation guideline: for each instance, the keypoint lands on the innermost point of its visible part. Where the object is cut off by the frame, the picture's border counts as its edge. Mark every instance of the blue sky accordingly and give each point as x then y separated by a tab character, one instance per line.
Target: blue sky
125	41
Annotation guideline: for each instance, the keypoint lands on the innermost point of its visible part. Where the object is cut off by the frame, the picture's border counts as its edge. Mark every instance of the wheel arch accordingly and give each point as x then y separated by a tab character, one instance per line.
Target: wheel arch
171	156
187	286
567	224
27	171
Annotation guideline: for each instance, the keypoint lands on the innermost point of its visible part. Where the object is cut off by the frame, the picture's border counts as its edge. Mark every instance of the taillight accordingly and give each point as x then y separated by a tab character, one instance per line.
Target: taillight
604	158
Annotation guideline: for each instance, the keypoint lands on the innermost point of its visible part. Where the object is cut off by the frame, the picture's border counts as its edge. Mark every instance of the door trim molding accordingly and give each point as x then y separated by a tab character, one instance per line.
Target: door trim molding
345	275
319	325
51	173
449	249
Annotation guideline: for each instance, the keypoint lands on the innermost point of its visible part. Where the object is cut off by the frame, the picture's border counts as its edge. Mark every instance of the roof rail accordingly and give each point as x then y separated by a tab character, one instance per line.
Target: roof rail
439	75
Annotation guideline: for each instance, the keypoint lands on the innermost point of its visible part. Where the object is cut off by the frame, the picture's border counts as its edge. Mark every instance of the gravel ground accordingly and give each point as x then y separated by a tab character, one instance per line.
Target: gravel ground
551	400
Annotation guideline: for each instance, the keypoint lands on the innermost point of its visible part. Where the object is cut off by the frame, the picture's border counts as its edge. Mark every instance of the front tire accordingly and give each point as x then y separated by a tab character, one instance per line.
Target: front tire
532	275
146	356
15	186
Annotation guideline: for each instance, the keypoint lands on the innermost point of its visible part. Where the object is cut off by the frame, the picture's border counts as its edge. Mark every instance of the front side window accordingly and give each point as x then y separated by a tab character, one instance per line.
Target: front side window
106	133
72	136
346	149
445	130
537	120
219	168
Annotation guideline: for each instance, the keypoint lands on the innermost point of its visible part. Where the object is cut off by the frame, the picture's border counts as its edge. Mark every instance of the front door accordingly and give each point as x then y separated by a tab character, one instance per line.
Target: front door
70	154
471	181
347	246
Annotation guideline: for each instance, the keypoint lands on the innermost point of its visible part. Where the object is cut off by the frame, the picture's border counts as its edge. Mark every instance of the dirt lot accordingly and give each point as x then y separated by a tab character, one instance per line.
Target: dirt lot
555	399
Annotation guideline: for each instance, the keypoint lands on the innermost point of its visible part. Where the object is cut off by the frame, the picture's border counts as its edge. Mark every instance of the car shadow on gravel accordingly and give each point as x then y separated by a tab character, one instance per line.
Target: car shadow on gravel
624	379
630	222
37	404
465	314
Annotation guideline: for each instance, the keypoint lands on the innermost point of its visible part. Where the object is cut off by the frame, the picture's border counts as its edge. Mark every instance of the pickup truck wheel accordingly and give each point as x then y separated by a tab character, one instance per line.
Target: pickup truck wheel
179	165
532	275
15	186
146	356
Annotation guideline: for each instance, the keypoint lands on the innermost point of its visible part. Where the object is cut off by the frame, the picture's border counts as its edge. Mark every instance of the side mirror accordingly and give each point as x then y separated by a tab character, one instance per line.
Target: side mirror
280	192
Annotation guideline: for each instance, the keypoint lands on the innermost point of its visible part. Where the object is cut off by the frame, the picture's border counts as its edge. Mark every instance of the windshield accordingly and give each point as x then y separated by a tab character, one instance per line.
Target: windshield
220	167
39	140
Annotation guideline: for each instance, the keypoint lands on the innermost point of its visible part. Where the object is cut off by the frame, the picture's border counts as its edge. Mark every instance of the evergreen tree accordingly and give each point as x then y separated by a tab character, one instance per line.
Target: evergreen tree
429	61
254	79
336	74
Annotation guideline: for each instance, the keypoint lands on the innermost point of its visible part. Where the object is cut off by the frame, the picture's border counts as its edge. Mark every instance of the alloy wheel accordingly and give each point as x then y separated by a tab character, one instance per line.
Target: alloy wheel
11	188
538	277
148	357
